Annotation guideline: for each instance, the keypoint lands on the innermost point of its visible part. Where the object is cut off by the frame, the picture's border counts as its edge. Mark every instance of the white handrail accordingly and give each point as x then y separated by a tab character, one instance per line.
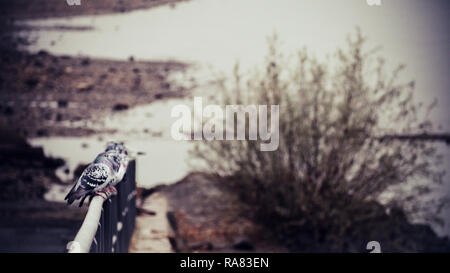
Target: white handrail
83	240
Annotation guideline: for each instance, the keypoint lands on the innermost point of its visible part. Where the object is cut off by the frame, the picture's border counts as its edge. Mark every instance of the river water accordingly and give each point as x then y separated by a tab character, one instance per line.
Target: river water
214	34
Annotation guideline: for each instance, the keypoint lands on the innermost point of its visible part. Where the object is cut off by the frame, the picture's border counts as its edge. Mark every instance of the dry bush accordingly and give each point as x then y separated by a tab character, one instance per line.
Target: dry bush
330	161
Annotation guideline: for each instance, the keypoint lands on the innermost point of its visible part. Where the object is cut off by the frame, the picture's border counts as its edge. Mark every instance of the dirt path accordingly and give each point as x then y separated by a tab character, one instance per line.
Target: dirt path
197	214
152	231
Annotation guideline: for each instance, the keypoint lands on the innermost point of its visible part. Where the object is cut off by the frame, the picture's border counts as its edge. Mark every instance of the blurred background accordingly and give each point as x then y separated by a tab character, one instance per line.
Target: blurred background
364	121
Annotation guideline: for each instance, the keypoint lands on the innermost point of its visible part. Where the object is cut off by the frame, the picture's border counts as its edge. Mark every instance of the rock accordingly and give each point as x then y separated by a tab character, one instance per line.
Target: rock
172	221
157	134
8	111
85	62
137	82
142	211
120	107
41	132
202	246
42	53
145	193
38	63
52	163
59	117
165	85
63	103
32	82
243	244
48	116
84	86
68	70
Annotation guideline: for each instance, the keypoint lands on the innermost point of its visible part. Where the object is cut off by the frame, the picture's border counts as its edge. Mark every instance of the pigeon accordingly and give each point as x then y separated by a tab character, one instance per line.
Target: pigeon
116	146
94	178
118	154
107	170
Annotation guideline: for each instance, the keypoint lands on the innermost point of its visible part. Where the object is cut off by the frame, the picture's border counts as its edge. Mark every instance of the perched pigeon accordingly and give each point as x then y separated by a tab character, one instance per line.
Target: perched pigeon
116	146
107	170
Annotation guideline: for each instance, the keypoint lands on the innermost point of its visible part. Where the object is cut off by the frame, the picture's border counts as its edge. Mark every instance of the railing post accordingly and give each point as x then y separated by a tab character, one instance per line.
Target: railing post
131	204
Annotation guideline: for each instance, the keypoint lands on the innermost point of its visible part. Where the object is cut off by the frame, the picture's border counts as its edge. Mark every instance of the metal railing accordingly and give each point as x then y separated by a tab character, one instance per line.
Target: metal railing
109	224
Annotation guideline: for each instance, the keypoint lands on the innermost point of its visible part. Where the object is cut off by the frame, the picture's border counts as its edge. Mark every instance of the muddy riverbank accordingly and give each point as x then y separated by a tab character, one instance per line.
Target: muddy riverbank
46	95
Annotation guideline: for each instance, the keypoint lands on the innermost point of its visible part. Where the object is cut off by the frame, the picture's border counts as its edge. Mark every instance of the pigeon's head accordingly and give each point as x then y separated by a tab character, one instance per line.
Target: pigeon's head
116	146
95	175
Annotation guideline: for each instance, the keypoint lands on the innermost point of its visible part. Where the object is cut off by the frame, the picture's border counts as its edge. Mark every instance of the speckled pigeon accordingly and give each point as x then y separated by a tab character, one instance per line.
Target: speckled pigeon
107	170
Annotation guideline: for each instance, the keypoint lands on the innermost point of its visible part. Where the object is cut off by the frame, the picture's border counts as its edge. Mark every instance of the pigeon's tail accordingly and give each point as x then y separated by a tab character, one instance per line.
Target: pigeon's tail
80	192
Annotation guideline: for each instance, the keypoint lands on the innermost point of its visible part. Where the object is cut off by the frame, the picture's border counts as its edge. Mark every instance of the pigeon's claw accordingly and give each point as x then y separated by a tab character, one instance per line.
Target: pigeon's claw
107	192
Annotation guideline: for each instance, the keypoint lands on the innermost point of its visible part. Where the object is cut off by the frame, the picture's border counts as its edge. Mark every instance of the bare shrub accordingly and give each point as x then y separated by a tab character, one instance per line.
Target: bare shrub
331	159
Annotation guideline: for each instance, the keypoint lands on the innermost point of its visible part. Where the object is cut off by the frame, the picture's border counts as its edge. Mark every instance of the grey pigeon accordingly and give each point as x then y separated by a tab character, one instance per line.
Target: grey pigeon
107	170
